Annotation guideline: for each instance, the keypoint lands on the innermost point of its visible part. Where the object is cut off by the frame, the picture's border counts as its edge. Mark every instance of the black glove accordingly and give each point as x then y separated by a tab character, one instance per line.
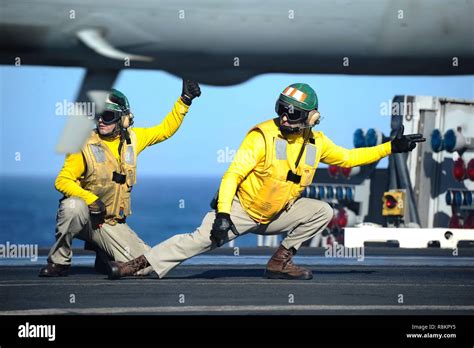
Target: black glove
405	143
220	228
190	91
97	211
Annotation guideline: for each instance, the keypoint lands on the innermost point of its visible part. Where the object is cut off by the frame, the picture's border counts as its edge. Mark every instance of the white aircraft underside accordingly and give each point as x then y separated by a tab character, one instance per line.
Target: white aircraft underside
202	39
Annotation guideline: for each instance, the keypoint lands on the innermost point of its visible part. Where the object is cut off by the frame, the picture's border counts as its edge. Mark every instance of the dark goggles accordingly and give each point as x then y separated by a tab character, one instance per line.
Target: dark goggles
109	116
294	114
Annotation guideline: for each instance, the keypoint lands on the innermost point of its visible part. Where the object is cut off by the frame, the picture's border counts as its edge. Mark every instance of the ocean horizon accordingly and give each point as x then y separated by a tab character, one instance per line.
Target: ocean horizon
162	207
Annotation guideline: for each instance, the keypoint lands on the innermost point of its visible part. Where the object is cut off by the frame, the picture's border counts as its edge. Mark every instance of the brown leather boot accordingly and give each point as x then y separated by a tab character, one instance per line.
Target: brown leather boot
281	266
54	270
118	270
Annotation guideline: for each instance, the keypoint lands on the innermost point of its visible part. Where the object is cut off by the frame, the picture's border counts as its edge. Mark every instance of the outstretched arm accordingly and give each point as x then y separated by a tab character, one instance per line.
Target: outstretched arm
339	156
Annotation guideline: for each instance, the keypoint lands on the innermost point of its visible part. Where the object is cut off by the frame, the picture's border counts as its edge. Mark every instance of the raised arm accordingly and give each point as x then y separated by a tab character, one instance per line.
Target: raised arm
156	134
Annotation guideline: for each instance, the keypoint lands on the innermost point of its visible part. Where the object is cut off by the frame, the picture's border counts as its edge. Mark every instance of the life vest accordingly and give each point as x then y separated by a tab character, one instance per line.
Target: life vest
112	181
265	192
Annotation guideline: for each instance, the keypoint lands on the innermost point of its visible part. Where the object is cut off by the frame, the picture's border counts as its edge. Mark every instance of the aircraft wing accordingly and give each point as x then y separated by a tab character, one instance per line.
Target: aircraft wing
224	43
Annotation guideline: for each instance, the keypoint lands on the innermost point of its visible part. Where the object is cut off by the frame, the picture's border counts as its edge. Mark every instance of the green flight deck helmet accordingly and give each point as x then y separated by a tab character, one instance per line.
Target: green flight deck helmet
120	99
116	110
296	102
300	95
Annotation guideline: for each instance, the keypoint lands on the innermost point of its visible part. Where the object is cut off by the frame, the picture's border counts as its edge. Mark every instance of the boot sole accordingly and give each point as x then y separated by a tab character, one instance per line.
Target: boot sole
279	275
57	275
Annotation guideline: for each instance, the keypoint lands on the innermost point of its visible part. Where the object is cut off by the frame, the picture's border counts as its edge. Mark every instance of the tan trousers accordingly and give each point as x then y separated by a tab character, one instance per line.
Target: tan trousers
120	242
301	222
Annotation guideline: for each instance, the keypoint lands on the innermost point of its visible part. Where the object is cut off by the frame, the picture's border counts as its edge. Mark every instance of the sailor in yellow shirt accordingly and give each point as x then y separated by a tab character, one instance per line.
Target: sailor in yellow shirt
260	192
97	183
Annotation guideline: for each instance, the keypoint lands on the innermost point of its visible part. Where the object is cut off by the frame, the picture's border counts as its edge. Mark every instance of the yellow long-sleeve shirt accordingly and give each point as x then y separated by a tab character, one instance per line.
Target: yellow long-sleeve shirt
74	164
251	156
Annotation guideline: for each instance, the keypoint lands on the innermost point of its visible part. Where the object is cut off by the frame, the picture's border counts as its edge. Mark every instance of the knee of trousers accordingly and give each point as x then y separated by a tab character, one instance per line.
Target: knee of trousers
74	208
326	212
320	211
202	237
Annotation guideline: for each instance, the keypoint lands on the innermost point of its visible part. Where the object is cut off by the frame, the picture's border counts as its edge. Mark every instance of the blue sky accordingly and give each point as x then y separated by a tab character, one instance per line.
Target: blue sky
216	121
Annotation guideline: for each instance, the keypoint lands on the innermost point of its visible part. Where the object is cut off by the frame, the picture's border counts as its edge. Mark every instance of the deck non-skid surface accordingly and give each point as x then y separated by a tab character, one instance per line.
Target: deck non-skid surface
394	286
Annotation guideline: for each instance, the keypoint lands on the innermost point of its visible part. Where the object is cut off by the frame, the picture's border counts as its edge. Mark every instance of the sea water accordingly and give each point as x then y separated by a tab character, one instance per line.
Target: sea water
161	206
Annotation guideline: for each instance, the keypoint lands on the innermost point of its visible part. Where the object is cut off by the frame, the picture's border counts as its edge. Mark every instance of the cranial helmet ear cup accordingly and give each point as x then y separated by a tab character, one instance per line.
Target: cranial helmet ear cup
314	119
127	120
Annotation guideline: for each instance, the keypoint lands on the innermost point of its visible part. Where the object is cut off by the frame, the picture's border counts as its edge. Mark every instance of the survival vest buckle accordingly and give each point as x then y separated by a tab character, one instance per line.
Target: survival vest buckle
118	178
293	177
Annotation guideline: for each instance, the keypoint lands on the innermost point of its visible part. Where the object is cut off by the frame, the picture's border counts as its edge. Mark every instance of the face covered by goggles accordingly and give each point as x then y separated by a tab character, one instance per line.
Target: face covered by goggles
294	116
109	116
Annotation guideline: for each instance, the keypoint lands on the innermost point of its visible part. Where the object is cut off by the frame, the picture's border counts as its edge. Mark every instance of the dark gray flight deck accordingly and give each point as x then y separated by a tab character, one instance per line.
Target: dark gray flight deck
386	281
